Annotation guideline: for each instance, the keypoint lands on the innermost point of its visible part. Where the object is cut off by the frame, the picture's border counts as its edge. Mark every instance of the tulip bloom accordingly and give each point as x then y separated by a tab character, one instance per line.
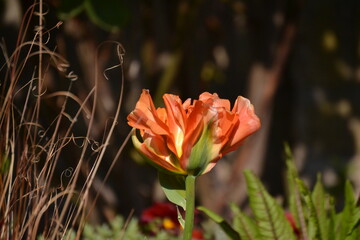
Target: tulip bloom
188	138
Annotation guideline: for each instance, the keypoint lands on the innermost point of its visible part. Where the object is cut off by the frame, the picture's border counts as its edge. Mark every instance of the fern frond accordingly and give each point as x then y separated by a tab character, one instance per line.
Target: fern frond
244	225
320	201
268	214
347	220
313	228
294	197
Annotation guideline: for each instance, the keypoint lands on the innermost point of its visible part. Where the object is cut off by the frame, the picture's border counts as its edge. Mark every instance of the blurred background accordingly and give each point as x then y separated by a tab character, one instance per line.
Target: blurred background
297	61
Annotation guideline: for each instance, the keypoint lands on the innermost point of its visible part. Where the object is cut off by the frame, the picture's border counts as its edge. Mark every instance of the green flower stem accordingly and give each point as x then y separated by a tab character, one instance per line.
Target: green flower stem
190	206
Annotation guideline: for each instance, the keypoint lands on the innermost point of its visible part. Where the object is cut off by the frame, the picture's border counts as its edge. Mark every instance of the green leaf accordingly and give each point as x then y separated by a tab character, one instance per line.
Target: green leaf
174	188
180	218
313	228
108	14
331	220
295	200
244	225
268	214
350	200
232	234
70	8
355	221
346	218
320	202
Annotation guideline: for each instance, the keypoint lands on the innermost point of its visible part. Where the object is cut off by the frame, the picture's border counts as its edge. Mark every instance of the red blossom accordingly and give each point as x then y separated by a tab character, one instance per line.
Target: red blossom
164	216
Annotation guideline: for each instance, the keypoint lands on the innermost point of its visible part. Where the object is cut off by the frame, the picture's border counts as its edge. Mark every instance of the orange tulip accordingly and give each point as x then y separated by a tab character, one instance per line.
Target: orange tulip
189	137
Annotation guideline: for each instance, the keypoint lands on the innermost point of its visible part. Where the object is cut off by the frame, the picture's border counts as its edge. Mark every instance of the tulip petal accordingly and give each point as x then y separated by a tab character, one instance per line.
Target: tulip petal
157	143
187	103
155	159
145	116
161	112
194	129
207	97
223	127
176	122
248	122
214	100
211	165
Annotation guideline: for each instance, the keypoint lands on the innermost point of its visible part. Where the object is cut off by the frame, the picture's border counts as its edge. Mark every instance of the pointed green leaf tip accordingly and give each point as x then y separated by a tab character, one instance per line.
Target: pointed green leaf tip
313	227
354	228
297	209
180	217
321	205
269	216
348	220
174	188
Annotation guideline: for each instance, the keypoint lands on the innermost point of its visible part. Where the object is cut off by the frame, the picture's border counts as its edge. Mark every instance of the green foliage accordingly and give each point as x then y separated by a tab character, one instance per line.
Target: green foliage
269	216
116	230
244	225
311	215
347	220
174	188
222	223
108	14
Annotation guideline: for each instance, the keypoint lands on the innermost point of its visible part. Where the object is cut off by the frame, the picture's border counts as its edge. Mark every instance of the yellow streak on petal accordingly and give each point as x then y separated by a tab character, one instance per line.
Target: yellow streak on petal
179	139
